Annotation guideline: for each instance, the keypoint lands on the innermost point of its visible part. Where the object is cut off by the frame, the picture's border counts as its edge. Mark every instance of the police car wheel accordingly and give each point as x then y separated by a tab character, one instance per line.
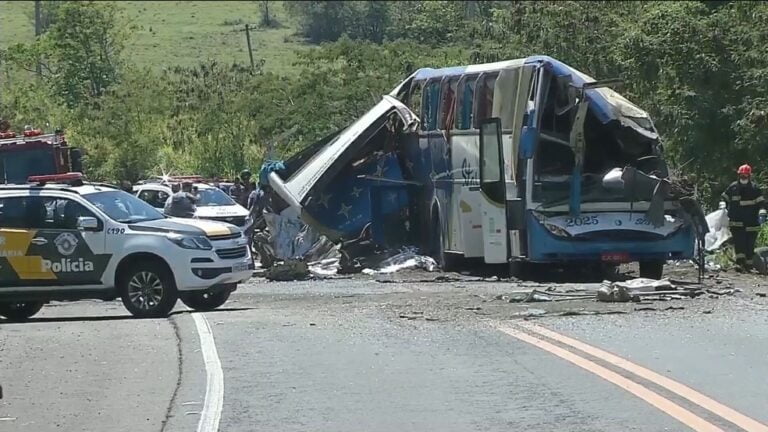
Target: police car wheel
20	311
205	300
147	290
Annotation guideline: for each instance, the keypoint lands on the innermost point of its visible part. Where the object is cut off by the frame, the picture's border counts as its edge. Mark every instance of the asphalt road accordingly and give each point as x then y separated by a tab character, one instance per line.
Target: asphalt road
351	355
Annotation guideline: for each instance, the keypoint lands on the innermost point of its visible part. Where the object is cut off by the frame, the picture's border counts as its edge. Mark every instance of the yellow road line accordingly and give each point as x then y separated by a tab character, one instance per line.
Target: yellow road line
692	395
679	413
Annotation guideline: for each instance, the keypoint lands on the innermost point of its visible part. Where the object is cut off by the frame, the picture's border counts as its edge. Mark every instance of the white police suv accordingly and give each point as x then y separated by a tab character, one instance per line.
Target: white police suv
213	203
62	239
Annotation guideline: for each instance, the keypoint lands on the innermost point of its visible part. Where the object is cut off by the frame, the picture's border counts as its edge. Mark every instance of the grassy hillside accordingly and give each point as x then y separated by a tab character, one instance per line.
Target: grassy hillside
169	33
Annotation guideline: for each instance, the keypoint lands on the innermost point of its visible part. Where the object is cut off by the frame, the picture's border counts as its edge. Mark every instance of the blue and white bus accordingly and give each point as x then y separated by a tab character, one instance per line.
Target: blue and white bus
525	160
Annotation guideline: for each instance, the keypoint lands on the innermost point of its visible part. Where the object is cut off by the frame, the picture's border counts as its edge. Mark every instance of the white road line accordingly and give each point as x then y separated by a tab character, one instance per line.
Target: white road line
214	387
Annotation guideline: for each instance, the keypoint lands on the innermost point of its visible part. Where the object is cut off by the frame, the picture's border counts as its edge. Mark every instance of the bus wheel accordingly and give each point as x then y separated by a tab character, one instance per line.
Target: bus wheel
652	269
517	269
437	247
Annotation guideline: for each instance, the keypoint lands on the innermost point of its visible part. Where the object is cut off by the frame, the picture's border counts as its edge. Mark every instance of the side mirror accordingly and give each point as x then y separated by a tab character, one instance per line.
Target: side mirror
87	223
528	140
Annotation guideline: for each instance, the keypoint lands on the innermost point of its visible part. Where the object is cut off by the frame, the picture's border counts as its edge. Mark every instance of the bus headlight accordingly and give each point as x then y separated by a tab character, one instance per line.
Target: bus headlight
556	230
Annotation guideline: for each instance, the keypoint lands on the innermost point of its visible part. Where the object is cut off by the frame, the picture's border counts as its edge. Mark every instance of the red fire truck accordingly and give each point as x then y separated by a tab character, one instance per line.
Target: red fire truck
32	153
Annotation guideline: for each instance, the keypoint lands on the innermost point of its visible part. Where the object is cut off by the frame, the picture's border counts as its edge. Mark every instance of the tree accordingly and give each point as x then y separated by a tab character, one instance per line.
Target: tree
80	52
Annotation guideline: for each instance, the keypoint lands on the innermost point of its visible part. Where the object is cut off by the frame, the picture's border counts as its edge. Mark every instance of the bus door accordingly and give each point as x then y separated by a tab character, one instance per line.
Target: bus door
502	206
493	189
511	100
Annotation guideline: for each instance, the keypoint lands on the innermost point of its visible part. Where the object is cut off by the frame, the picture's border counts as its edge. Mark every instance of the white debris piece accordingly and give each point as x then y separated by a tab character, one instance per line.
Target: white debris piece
718	230
408	259
645	285
325	268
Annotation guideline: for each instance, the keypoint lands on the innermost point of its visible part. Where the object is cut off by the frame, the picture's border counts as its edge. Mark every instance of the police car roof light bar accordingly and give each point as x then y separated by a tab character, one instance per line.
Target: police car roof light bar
55	178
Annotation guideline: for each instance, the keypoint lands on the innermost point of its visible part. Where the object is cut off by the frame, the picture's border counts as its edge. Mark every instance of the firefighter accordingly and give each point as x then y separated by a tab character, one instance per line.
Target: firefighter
744	199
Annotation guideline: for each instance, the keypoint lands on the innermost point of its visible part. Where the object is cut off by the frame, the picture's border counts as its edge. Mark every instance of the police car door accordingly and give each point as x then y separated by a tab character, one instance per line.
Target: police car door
54	251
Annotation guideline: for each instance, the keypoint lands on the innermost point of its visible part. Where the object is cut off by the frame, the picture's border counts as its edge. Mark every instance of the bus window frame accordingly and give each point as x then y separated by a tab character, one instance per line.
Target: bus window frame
416	88
465	80
442	119
476	121
425	120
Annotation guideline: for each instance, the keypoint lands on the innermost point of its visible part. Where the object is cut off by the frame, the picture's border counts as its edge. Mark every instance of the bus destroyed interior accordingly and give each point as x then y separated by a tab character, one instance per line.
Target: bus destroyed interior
514	162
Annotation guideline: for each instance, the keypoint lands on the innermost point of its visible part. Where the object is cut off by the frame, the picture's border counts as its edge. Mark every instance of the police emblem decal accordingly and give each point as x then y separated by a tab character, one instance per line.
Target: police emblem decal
66	243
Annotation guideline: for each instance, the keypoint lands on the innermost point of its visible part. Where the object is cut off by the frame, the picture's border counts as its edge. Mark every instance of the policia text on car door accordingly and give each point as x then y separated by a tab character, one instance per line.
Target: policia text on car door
40	244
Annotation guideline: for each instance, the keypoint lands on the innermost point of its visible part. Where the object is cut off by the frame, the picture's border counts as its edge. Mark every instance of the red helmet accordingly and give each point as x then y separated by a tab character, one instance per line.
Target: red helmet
745	169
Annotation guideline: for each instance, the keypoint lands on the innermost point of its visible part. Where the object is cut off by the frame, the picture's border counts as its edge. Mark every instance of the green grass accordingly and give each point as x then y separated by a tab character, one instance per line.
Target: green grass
170	33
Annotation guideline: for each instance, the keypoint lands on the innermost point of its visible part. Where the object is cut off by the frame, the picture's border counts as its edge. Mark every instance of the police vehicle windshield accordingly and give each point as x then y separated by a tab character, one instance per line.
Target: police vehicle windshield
124	207
213	197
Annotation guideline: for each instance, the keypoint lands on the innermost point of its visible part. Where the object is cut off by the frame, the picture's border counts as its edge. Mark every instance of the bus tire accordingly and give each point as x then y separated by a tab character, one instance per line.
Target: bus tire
652	269
437	246
516	269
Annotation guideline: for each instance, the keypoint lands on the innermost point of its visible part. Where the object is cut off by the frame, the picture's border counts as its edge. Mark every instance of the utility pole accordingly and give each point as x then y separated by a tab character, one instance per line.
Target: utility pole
250	50
38	31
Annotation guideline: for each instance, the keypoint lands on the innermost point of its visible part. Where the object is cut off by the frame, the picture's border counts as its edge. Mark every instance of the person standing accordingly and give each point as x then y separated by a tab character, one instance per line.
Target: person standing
248	187
182	203
744	199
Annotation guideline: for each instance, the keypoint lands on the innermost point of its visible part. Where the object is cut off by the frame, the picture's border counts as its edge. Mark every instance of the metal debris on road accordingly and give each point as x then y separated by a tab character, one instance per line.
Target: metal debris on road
408	258
289	270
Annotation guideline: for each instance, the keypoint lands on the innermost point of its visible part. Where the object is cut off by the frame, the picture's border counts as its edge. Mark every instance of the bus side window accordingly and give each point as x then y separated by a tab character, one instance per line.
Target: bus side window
431	102
448	104
484	98
464	97
415	96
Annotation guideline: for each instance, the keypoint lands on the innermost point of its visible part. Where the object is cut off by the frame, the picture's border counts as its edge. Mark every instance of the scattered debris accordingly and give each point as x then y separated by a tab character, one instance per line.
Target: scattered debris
591	312
531	313
289	270
645	285
635	289
408	258
415	315
613	294
722	292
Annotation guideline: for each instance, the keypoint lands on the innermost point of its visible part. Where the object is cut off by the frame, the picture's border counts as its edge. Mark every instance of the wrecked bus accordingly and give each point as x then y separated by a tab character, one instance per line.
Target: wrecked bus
526	160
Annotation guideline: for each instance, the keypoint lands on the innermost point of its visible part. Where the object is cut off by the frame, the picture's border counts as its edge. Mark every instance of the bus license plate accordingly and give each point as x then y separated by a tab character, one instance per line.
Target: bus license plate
616	257
243	266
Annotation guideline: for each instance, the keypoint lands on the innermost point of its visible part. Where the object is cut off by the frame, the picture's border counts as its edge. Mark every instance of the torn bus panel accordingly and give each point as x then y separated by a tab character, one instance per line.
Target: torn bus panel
342	181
